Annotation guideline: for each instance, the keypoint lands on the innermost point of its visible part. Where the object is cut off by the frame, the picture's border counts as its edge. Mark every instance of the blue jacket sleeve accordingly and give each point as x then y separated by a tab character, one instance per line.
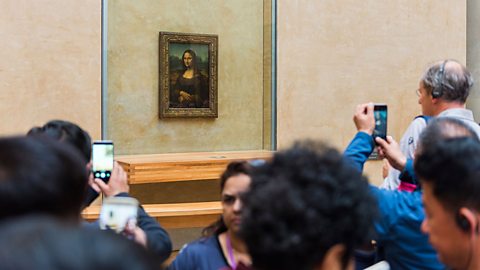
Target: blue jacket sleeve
359	150
408	173
158	241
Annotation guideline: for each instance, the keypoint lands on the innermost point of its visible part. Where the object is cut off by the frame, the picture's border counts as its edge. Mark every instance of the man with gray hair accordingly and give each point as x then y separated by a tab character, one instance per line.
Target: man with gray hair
443	91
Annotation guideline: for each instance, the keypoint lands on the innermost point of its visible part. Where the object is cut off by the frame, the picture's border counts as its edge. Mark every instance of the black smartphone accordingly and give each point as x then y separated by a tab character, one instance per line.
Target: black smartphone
380	112
102	159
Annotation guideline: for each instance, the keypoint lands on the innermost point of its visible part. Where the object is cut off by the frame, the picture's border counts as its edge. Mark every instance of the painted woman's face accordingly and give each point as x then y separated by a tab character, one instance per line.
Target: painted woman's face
187	59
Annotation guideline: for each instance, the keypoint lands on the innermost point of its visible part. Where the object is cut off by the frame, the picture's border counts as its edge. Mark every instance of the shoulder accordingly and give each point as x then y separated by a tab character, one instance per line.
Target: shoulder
419	123
399	203
201	245
203	253
413	131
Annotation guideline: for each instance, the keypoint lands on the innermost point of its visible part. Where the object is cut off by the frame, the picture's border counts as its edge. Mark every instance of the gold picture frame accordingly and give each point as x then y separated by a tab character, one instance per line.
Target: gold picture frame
188	67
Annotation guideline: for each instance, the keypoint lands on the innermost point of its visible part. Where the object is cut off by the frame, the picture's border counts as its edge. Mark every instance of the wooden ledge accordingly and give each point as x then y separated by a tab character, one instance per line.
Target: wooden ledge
173	215
156	168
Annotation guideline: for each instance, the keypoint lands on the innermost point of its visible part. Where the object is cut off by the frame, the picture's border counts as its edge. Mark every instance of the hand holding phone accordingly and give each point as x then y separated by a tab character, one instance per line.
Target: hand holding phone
117	213
102	159
380	113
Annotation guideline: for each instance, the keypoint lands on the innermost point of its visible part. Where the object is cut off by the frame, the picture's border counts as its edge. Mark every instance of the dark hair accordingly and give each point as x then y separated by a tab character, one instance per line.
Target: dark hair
234	168
66	132
454	80
39	175
441	128
452	167
37	242
303	202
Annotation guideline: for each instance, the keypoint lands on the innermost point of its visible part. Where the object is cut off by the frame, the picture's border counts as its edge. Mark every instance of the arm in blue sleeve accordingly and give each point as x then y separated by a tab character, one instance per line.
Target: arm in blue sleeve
408	173
359	149
158	241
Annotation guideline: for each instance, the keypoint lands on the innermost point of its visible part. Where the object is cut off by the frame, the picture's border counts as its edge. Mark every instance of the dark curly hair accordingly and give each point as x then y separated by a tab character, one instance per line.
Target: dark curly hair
233	168
452	167
303	202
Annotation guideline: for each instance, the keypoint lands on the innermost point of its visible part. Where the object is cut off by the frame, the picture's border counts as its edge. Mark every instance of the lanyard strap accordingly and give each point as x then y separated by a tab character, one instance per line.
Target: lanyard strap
230	252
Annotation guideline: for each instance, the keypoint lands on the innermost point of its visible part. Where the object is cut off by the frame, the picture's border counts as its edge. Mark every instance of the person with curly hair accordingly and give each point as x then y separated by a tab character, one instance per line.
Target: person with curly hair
306	209
221	247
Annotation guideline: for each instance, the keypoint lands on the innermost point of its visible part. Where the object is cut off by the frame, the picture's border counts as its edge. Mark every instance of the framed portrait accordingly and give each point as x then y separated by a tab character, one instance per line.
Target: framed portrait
188	75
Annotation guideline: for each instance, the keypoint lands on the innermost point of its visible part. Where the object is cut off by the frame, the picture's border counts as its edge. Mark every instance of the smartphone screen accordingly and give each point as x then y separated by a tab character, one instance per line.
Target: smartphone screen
102	159
380	112
117	213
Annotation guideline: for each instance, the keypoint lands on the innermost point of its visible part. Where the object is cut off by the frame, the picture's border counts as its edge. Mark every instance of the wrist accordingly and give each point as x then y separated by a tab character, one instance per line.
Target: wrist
368	131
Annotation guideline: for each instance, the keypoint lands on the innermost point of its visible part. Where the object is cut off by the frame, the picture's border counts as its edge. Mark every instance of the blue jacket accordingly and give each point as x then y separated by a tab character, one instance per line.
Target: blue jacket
202	254
401	215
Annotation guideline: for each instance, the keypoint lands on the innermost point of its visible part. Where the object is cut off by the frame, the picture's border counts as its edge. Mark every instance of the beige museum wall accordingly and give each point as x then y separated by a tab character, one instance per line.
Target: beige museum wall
473	53
50	65
335	54
133	122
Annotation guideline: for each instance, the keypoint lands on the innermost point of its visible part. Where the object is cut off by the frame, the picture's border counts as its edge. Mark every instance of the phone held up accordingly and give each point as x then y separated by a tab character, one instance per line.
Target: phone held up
380	112
118	214
102	159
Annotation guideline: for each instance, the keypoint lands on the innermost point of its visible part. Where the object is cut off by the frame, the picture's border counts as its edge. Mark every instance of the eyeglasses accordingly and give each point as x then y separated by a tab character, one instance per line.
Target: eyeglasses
418	92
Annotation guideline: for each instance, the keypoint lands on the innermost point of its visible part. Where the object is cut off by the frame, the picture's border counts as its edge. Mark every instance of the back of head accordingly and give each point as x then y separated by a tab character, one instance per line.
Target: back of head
453	169
441	128
38	175
37	242
301	204
448	80
68	132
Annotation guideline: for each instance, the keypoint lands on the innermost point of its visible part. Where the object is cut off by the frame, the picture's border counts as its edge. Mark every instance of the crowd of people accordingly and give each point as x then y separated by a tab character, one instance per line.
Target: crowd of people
308	207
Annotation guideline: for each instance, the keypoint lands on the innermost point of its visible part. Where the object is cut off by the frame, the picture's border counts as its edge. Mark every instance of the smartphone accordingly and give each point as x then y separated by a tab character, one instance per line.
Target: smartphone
380	112
117	213
102	159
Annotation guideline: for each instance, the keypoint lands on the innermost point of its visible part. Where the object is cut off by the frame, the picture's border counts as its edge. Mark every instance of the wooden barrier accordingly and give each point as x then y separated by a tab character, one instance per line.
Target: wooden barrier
173	215
157	168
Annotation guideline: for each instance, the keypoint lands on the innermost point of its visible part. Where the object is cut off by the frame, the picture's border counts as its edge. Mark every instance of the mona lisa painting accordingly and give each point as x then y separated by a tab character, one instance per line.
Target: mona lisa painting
188	75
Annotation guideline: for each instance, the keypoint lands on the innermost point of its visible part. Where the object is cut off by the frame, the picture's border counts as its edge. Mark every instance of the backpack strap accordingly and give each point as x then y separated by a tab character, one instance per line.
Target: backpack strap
424	117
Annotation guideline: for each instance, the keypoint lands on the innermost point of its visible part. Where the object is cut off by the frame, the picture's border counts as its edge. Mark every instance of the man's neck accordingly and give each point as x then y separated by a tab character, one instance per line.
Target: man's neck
445	105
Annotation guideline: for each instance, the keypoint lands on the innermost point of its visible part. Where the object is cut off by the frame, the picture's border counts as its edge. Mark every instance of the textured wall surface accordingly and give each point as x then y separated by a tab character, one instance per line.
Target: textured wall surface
133	30
473	54
50	63
335	54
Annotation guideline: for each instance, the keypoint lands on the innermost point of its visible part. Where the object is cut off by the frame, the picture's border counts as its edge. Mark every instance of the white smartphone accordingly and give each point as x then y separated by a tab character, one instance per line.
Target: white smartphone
117	213
102	159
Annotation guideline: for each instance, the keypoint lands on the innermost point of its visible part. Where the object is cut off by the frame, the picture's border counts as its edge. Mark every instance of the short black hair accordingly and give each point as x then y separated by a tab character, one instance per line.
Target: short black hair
68	132
301	203
38	242
441	128
39	175
452	167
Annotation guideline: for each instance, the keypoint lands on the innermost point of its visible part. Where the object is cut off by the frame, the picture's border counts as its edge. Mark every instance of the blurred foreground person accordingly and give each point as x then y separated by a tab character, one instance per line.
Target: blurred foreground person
148	231
450	176
306	209
42	243
41	176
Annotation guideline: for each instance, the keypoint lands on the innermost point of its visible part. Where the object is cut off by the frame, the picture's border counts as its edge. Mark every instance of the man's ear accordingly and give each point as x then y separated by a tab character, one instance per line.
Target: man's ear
333	259
467	220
